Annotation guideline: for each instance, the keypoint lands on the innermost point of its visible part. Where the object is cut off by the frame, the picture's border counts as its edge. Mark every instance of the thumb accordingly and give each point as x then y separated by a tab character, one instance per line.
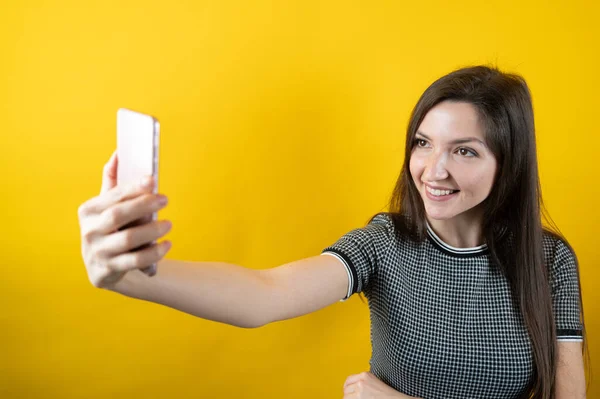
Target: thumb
109	174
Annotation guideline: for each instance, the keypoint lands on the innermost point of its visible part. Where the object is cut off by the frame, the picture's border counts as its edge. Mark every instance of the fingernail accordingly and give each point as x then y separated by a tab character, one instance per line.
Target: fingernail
162	200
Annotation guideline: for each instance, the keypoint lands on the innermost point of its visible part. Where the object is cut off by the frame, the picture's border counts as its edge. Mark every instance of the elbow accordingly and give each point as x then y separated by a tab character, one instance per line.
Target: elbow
248	324
258	309
249	317
235	322
255	322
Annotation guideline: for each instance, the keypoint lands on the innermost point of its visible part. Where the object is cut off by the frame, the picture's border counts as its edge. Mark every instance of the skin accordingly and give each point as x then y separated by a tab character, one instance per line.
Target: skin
366	386
450	152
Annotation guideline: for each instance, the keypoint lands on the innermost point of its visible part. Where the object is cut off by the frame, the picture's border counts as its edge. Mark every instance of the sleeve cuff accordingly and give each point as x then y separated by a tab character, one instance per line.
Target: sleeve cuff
352	276
569	335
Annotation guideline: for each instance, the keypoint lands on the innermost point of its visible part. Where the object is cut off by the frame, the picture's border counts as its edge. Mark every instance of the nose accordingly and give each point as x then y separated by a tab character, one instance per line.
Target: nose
435	168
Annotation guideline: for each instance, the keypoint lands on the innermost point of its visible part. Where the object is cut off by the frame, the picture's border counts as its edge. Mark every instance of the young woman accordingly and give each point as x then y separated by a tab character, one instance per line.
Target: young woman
470	296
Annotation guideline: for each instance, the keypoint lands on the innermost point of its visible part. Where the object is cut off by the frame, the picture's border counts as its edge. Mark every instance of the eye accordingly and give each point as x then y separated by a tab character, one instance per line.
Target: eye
420	143
465	152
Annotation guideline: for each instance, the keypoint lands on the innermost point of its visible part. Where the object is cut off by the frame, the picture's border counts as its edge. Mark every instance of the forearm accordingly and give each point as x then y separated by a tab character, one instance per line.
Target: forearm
217	291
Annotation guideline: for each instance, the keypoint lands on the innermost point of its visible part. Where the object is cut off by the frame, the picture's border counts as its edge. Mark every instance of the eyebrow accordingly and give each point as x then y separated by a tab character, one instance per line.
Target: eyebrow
459	141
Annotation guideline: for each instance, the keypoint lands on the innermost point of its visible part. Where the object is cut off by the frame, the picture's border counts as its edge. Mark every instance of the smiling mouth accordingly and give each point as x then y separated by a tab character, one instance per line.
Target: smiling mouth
440	193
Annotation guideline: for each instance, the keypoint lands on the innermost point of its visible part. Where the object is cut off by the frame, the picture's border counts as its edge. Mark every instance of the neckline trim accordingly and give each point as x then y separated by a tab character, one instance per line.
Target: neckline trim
454	251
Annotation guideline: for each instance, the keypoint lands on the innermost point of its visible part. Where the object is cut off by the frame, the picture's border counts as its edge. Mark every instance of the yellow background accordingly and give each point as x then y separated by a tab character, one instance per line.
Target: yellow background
283	126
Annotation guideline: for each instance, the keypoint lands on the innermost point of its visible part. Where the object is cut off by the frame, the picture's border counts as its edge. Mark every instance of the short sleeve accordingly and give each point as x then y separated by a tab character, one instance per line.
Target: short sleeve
361	251
565	294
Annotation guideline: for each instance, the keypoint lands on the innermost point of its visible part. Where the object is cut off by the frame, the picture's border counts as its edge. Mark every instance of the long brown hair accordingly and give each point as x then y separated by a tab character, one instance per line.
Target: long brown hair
503	101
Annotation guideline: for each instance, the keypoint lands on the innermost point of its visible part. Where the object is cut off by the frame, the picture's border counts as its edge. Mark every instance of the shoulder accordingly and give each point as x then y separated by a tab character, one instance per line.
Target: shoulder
557	249
393	226
401	236
382	223
394	221
377	233
560	259
383	218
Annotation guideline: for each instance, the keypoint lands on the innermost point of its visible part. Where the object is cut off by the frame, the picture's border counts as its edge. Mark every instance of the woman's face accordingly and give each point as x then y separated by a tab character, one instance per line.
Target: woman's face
450	153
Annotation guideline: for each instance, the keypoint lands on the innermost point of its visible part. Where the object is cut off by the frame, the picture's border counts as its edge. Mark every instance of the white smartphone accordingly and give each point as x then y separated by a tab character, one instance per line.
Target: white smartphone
137	151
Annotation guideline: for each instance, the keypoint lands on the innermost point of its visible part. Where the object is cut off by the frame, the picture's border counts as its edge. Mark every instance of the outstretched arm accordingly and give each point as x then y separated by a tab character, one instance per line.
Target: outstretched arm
240	296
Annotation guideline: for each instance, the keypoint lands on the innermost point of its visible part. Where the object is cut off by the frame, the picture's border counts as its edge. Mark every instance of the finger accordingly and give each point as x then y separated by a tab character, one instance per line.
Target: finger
356	387
355	378
139	259
117	194
109	174
351	395
130	213
349	389
132	238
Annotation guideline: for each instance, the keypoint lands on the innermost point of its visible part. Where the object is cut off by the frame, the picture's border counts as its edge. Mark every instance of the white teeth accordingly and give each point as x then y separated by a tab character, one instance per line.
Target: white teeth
438	193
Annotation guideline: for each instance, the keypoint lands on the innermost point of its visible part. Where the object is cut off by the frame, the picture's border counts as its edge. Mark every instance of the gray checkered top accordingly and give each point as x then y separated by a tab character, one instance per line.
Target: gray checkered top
442	321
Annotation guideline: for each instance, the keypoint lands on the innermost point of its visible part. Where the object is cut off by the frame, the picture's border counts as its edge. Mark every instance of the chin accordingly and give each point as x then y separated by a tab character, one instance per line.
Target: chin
441	212
440	215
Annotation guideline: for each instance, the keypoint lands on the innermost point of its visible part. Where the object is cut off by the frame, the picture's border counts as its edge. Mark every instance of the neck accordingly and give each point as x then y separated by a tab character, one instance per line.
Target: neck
459	232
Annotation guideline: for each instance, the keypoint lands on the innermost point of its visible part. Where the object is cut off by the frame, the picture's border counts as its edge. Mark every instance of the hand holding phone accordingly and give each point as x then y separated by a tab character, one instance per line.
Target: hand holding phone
137	151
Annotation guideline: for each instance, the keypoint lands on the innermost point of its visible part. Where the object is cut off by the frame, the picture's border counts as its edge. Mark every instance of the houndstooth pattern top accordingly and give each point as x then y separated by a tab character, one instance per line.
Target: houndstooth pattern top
442	321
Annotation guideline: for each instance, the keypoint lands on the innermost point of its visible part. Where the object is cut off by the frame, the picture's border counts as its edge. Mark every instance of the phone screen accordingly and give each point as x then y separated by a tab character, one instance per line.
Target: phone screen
137	150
